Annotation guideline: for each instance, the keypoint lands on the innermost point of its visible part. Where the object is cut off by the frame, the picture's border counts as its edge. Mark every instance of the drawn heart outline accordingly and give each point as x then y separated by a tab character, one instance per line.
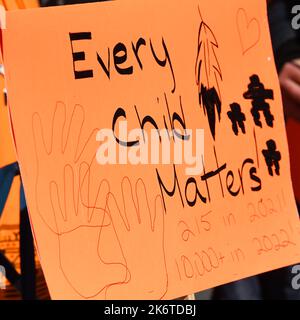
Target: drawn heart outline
244	26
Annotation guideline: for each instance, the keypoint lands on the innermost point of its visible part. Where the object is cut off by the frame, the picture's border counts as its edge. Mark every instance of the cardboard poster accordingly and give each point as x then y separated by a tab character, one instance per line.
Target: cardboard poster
10	217
123	213
7	150
19	4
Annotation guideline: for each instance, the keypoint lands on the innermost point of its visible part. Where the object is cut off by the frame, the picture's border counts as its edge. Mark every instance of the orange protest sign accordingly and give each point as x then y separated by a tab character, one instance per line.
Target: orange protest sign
19	4
10	215
120	212
7	152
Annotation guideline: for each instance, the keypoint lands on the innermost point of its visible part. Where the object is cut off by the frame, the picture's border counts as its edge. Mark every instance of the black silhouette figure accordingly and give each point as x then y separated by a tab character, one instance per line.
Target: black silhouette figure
237	118
272	157
208	74
258	94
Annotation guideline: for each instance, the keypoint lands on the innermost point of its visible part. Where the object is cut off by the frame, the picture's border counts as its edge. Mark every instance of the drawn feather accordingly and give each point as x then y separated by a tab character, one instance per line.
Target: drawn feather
208	75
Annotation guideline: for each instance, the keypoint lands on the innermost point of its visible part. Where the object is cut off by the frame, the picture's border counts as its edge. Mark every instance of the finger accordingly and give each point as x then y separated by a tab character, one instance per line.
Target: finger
88	149
292	71
292	89
143	203
74	130
98	209
38	135
116	217
69	201
129	207
56	206
158	217
58	124
84	190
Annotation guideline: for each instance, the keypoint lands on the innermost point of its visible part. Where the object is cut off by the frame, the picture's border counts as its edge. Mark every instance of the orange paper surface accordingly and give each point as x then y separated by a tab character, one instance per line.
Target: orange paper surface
7	152
150	231
9	222
19	4
10	215
10	218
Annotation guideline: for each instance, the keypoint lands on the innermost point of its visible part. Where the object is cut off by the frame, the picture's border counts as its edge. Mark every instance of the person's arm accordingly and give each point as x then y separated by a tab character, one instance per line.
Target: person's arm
286	46
285	39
